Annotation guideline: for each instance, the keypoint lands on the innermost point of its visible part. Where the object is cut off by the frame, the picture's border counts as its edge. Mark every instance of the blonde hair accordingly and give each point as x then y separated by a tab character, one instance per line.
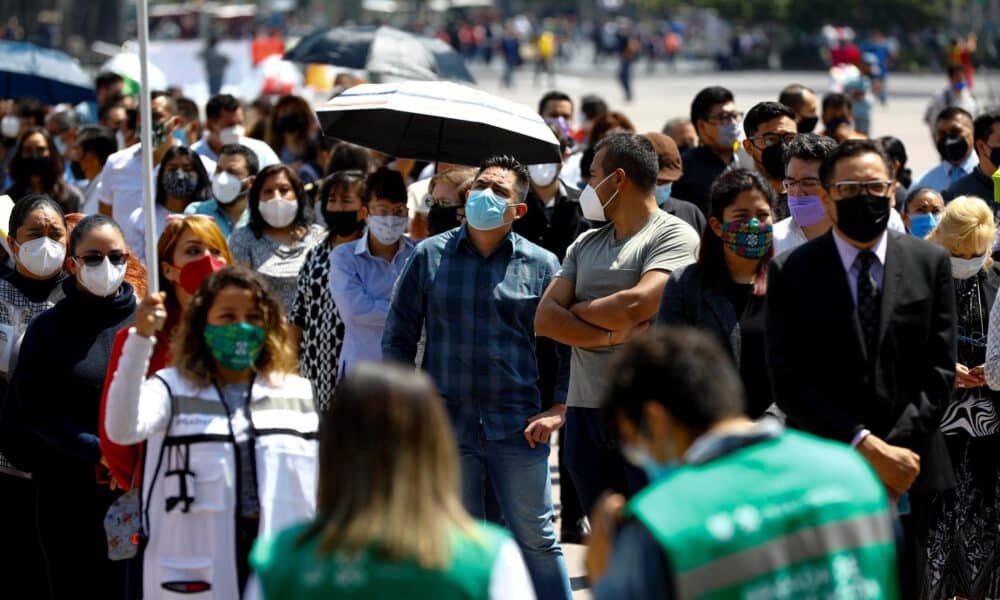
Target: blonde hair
966	227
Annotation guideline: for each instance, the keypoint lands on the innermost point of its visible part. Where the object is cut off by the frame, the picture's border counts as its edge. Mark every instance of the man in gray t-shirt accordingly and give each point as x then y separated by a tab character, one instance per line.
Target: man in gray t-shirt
608	289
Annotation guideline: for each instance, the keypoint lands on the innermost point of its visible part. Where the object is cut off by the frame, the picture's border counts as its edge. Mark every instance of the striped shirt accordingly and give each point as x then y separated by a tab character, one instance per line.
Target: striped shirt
479	313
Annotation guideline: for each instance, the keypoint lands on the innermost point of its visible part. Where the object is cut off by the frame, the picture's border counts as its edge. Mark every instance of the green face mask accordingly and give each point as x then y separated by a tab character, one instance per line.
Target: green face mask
235	346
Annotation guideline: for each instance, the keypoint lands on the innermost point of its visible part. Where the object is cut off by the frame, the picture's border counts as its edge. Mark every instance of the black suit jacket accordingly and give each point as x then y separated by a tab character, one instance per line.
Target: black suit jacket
820	372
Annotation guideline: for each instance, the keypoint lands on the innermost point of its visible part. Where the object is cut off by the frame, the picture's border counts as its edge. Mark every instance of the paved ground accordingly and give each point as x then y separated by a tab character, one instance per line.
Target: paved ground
664	95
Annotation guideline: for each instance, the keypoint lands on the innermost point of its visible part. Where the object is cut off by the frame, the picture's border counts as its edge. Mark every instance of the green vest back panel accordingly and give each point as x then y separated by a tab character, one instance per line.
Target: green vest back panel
793	517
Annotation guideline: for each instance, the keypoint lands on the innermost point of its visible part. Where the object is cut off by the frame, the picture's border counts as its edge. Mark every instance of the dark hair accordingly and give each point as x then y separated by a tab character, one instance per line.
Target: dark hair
608	121
287	105
553	95
219	104
385	184
508	163
88	224
682	368
914	194
982	127
52	179
346	157
107	107
593	106
897	153
31	108
712	255
955	70
29	204
253	163
303	217
810	146
201	190
587	160
953	112
107	79
171	102
98	141
794	95
132	119
706	99
188	109
763	112
850	149
836	100
634	154
341	182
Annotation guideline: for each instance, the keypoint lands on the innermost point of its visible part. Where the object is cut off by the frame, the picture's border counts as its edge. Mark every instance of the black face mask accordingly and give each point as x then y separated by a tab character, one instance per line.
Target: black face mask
773	159
442	218
807	124
291	122
830	127
36	165
952	148
342	223
863	217
77	170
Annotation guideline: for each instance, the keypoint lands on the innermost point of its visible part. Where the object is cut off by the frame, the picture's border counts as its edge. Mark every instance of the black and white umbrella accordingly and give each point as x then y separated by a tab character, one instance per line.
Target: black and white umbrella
384	52
438	121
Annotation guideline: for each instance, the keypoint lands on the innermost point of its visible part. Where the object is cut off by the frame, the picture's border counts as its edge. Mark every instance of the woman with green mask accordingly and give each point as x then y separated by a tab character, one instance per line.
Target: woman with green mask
230	431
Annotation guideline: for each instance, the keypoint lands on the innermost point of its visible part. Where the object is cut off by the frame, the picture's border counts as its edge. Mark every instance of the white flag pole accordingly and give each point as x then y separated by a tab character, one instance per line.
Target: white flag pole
146	139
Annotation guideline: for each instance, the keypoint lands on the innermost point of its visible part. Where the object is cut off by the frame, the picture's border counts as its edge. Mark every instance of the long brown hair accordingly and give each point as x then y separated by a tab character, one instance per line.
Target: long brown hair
398	491
192	356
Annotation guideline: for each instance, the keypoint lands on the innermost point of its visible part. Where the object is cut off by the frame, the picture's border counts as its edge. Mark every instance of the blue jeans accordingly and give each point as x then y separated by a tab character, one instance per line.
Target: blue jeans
594	460
520	477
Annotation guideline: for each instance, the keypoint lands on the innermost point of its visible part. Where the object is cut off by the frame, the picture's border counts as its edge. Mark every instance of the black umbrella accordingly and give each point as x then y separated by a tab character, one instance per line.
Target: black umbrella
386	53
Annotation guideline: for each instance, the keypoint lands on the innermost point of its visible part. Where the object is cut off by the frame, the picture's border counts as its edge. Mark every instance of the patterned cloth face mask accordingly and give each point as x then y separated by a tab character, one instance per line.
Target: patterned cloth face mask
748	238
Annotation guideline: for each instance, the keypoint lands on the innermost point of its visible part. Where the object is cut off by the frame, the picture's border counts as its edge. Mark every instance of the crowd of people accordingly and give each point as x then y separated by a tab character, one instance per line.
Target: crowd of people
764	356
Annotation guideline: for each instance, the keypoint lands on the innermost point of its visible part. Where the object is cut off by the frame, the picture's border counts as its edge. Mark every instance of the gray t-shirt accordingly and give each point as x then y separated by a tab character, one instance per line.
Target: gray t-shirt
599	265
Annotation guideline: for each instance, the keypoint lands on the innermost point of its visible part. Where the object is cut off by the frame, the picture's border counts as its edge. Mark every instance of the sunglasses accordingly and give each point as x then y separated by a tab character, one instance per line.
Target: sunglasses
94	260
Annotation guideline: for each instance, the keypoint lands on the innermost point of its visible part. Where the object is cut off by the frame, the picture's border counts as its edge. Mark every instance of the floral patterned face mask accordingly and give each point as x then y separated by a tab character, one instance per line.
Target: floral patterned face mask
748	238
235	346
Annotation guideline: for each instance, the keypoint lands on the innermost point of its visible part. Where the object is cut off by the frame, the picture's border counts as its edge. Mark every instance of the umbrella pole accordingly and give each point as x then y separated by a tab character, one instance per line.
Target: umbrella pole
146	139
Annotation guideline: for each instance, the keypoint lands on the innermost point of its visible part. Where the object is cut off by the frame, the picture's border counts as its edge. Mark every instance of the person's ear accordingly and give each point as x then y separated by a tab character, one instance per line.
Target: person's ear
748	146
170	272
716	226
69	265
363	212
10	244
520	210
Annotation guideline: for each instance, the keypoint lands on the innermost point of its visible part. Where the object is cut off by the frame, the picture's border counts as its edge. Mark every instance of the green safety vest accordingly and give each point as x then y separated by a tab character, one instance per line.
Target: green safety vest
290	571
791	517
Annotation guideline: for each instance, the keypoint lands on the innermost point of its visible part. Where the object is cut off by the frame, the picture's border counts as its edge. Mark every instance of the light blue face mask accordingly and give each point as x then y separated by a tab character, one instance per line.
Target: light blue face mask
663	193
922	224
639	457
485	211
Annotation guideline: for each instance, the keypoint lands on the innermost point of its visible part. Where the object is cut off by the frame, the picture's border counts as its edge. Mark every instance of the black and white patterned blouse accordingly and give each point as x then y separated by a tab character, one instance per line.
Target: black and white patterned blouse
322	329
277	263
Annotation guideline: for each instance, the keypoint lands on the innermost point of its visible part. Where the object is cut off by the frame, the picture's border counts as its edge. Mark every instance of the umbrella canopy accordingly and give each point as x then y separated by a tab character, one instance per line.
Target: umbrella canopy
49	75
438	121
128	66
384	52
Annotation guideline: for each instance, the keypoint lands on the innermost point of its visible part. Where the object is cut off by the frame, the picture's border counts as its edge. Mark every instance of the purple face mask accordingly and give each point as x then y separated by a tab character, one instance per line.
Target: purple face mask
806	210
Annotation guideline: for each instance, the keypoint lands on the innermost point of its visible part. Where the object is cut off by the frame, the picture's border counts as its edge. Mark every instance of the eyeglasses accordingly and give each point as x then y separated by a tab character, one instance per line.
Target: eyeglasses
771	139
94	260
383	212
846	189
805	184
725	117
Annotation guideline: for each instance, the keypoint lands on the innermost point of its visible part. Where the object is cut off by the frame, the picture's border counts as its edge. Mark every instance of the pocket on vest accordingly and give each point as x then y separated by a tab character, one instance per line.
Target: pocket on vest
183	577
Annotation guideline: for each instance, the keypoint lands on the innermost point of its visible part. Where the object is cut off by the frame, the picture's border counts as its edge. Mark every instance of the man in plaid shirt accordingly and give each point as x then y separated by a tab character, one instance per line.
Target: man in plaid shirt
476	288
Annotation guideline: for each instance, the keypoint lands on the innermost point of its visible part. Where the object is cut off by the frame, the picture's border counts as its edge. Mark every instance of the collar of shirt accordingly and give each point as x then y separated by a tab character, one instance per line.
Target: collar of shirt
509	240
361	246
848	253
967	166
714	445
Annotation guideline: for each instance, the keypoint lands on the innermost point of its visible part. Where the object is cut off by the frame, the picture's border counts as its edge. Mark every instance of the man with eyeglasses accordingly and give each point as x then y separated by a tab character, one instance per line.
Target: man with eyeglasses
806	194
860	332
715	118
770	127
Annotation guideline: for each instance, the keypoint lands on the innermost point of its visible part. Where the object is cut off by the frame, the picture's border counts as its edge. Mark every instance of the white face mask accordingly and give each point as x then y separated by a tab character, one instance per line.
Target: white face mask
41	257
543	175
102	280
120	138
226	187
964	268
231	135
387	229
278	212
590	202
10	126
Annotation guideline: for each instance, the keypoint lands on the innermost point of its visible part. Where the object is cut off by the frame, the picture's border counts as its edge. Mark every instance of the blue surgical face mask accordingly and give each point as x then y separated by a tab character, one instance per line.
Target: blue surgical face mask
486	211
923	223
638	456
663	193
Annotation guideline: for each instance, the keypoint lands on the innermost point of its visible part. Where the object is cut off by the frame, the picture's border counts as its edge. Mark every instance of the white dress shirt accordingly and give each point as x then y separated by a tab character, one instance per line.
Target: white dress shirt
849	254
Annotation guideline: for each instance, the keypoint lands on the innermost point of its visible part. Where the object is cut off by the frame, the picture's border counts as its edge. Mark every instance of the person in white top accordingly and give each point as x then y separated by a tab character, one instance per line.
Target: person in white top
808	218
91	150
121	179
224	126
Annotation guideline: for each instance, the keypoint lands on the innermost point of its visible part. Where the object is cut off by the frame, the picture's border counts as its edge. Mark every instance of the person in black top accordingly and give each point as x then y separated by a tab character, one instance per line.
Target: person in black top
723	293
671	169
979	183
56	391
717	122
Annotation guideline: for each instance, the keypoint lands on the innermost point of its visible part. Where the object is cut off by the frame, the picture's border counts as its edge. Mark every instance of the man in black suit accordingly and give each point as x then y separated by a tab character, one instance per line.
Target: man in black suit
860	331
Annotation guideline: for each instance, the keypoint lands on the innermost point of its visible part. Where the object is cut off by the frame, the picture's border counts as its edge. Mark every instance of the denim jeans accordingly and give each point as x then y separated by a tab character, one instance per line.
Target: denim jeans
594	459
520	477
